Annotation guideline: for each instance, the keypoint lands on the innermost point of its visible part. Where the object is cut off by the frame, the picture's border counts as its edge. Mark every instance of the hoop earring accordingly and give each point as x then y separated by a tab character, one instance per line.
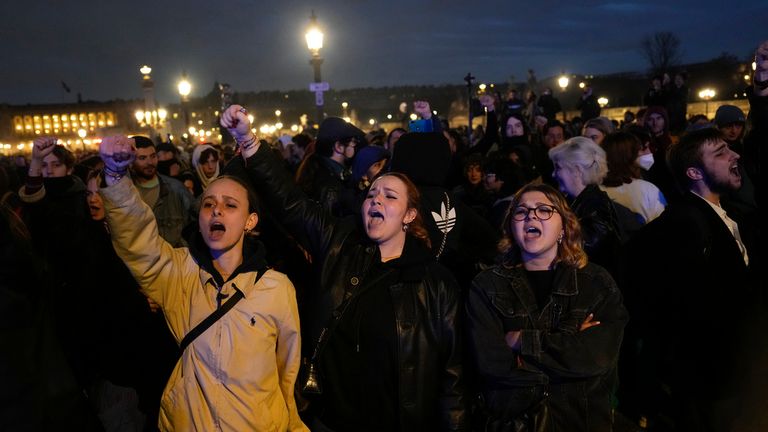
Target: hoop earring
405	227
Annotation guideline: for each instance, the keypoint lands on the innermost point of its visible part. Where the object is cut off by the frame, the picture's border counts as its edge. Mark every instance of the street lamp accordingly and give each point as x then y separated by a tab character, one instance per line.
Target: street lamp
314	39
563	82
185	88
82	133
602	101
706	94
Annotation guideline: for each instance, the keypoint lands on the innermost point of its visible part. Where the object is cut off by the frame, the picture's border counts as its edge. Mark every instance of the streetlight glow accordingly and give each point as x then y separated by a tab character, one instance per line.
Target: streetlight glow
371	122
139	116
277	113
81	133
344	105
314	36
185	88
145	70
482	87
582	85
602	101
563	82
707	94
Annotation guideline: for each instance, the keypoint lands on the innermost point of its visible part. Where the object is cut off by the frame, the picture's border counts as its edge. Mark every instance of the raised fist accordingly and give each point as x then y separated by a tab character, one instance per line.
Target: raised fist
117	152
235	119
761	67
42	147
422	109
487	101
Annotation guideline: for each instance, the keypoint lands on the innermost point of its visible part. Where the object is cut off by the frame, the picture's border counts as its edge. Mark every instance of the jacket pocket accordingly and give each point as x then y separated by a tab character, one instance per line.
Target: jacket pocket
512	314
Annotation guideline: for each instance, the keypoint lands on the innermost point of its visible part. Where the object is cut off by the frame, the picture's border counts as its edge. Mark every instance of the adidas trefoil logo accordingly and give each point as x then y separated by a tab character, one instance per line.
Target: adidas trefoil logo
446	219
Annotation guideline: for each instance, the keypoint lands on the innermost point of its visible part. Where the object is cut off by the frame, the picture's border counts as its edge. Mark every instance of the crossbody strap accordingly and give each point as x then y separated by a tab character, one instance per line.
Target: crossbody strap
213	317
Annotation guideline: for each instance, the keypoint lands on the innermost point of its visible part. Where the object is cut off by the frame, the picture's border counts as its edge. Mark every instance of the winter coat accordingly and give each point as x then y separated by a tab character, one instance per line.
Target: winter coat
237	375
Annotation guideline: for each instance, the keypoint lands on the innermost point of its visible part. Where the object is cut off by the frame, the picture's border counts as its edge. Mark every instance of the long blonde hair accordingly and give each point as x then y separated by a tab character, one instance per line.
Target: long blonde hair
569	252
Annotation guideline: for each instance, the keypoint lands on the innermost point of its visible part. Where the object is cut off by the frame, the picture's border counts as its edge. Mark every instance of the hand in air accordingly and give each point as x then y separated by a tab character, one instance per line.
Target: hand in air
117	152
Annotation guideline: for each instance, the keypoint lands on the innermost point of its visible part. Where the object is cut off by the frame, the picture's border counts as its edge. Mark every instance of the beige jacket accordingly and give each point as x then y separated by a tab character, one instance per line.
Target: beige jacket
239	374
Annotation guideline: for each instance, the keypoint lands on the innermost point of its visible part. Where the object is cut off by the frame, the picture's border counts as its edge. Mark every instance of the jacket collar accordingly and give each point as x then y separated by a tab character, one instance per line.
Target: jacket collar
253	258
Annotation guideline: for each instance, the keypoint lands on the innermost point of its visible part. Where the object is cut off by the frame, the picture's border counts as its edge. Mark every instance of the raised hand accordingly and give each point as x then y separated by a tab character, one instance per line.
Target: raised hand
117	152
761	69
42	147
235	120
422	109
488	102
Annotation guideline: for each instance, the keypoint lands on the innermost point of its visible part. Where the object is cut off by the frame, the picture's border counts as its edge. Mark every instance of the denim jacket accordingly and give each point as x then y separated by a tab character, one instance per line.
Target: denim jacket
576	367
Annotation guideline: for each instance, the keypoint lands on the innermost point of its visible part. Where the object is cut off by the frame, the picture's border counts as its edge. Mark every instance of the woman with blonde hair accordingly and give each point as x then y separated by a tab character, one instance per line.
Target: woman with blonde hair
545	324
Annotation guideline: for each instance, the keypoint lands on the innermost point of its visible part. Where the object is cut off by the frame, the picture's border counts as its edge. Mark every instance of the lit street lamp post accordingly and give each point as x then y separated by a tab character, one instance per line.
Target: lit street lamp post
185	88
706	94
314	39
563	83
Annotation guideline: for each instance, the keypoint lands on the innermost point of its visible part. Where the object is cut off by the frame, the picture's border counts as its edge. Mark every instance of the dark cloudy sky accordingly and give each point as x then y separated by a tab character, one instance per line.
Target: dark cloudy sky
96	47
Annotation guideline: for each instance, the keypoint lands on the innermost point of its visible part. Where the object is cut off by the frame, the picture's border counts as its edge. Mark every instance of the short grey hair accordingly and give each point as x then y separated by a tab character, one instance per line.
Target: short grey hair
582	152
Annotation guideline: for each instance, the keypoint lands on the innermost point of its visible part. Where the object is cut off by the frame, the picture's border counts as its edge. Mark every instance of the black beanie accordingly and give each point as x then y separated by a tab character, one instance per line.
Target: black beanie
424	157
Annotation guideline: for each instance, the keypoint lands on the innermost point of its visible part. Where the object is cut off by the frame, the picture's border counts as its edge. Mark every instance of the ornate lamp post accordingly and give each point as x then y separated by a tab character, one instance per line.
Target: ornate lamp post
314	39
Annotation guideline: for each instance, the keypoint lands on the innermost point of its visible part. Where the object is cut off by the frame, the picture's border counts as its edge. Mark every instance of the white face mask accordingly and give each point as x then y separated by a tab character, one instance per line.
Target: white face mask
645	161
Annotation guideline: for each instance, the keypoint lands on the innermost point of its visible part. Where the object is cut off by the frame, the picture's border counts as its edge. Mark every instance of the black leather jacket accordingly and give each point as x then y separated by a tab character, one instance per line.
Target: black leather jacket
425	298
575	367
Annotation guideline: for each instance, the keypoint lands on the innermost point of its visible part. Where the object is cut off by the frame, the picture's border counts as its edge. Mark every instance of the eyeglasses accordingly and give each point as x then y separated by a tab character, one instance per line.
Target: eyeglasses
542	212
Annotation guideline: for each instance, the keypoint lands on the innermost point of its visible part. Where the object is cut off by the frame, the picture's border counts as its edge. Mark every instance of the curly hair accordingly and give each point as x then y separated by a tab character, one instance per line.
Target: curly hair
570	251
416	228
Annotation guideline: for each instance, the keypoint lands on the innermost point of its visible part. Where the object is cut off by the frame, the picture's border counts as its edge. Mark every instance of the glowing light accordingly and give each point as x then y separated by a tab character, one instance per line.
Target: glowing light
277	113
389	116
344	105
250	118
162	114
139	116
414	117
747	77
347	119
372	122
581	85
185	87
294	128
145	70
707	93
563	82
603	101
81	133
482	87
314	36
192	130
279	125
272	129
754	66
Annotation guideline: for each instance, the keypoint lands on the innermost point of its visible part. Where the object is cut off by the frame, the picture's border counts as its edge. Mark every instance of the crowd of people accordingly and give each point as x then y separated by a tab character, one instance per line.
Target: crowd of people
535	275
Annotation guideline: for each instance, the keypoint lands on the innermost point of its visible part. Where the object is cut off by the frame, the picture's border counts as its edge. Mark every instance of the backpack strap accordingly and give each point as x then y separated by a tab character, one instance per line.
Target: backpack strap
216	315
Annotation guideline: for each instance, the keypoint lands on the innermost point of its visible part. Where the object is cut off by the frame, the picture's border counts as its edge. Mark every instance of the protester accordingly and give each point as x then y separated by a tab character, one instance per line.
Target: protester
624	183
243	369
545	325
369	370
205	161
580	167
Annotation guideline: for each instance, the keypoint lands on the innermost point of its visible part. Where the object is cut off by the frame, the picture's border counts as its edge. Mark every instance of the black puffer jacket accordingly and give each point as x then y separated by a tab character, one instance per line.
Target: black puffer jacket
576	367
425	298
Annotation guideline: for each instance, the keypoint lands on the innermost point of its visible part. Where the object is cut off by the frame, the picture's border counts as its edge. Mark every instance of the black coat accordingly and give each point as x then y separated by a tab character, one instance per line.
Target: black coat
686	280
599	227
576	366
425	298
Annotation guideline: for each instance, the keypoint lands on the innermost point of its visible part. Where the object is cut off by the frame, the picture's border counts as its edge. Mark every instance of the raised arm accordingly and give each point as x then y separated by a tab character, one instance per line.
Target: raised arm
306	220
163	273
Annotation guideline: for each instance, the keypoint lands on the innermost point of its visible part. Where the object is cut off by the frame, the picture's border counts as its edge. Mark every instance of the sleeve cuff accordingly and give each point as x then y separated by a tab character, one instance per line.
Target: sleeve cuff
530	343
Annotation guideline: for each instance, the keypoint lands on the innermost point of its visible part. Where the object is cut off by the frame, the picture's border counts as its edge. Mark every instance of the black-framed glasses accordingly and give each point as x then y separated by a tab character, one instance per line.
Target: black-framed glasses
542	212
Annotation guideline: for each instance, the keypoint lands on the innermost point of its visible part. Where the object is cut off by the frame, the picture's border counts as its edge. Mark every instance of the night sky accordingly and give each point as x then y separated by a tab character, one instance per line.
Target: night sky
97	47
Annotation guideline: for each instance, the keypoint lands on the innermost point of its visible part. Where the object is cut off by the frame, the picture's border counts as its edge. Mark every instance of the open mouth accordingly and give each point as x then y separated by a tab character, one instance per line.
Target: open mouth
217	230
532	232
735	170
375	217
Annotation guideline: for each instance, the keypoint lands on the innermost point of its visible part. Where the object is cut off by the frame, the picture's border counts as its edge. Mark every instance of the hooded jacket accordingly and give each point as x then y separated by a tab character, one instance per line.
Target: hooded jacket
237	375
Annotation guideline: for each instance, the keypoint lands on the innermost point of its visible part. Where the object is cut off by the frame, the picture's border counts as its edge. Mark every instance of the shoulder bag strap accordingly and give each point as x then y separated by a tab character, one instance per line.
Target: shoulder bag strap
213	317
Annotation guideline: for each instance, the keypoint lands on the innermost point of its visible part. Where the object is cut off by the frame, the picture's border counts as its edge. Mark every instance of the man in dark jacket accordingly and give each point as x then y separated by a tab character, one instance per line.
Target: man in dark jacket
701	279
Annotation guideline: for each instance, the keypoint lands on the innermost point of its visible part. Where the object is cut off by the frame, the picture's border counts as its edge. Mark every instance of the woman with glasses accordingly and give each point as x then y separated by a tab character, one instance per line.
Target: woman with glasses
545	325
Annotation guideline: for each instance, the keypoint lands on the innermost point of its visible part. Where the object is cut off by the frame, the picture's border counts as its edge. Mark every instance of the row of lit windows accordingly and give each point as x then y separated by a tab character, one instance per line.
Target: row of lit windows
64	123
